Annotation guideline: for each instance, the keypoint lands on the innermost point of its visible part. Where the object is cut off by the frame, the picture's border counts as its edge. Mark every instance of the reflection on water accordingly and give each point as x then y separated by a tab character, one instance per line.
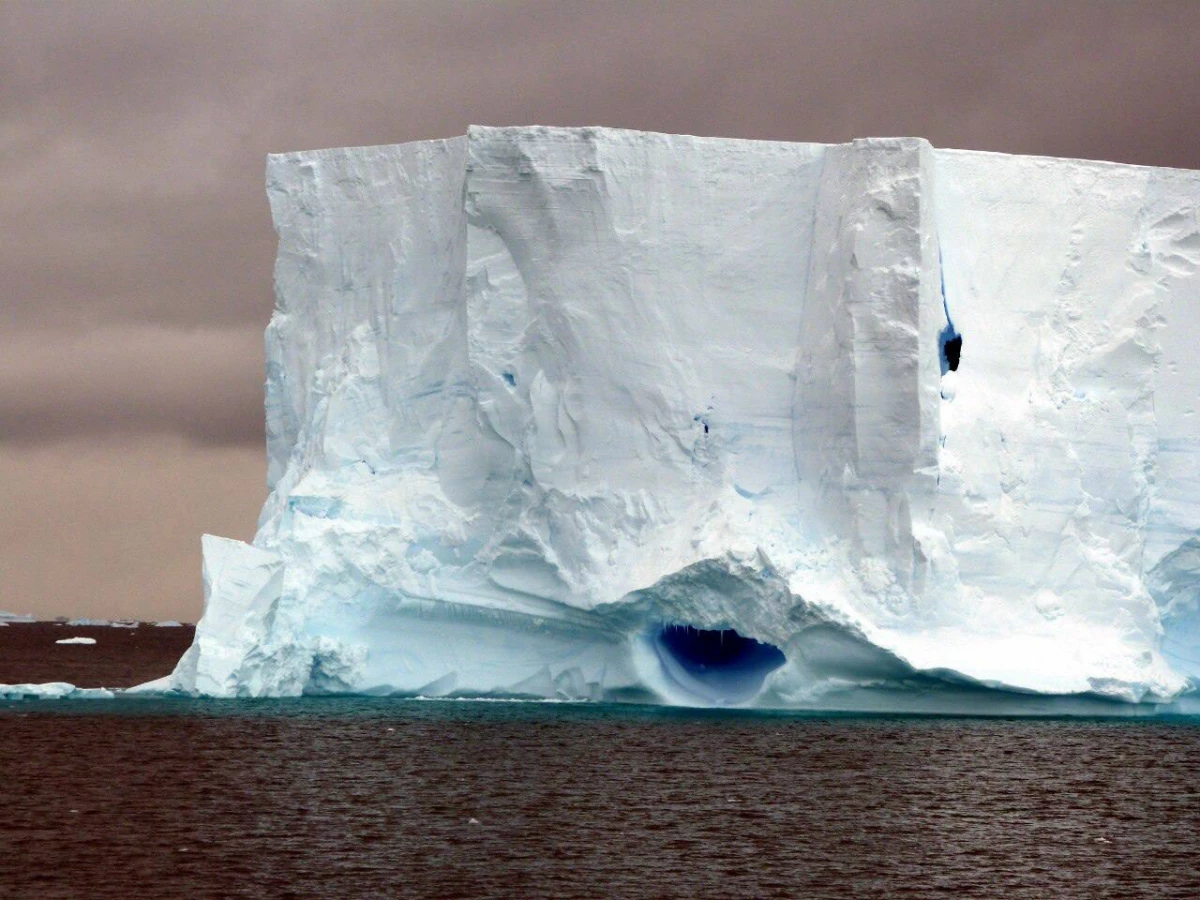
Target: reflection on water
367	798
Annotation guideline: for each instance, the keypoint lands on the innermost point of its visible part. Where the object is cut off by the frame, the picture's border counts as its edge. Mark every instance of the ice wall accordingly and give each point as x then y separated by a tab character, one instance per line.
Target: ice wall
588	413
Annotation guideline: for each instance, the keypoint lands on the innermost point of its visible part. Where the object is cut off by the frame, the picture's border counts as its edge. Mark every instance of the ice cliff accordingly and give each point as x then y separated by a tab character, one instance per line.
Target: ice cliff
588	413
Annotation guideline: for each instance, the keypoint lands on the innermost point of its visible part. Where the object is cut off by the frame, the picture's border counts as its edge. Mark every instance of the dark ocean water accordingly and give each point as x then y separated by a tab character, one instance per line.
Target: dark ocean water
389	798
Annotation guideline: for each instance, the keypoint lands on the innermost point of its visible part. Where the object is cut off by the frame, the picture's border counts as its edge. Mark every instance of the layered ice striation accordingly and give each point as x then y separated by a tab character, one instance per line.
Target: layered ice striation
587	413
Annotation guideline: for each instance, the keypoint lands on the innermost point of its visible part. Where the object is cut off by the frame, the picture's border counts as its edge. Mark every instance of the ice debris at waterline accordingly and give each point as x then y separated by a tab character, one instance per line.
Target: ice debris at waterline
872	423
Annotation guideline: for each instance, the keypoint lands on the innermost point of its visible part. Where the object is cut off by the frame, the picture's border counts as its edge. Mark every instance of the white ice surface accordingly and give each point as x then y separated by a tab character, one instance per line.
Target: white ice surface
77	640
534	392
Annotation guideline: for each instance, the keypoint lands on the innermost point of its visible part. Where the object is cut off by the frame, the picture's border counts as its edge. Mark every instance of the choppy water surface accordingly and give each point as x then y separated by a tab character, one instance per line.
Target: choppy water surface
377	799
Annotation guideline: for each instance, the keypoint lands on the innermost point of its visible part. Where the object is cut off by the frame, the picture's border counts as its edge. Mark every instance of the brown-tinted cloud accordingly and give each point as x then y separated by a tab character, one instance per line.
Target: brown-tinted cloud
111	526
136	257
131	379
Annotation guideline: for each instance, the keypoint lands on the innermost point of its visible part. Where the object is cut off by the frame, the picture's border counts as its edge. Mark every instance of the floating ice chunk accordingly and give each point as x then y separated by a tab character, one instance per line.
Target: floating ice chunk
77	640
53	690
102	623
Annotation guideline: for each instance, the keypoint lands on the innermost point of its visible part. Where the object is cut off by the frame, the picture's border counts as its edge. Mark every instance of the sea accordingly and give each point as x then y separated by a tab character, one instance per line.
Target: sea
356	798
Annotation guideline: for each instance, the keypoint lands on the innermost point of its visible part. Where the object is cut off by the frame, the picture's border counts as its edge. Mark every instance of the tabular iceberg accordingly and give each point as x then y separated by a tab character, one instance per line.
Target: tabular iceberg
589	413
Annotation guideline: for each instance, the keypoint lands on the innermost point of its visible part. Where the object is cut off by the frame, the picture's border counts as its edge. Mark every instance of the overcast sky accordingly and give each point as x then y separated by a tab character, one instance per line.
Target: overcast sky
136	249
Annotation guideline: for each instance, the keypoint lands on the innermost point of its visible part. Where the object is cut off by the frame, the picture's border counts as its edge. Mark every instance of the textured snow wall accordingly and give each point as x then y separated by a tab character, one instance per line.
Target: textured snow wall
586	413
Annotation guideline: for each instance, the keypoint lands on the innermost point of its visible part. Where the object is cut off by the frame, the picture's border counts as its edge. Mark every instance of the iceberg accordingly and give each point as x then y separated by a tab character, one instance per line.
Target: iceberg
53	690
601	414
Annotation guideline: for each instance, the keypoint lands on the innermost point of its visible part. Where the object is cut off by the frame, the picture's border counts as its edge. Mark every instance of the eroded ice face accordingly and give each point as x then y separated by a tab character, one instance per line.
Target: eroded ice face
888	414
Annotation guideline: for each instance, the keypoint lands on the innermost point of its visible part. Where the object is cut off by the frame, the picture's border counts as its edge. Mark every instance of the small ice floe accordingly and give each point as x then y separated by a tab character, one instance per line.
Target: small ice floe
77	640
103	623
1103	840
170	623
52	690
472	821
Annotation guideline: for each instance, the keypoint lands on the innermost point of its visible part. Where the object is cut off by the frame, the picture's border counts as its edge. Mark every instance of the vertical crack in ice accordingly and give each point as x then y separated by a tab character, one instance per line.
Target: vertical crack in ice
949	340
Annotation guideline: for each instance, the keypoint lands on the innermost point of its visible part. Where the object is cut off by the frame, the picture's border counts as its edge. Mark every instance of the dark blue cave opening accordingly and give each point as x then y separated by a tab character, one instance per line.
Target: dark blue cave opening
950	343
716	666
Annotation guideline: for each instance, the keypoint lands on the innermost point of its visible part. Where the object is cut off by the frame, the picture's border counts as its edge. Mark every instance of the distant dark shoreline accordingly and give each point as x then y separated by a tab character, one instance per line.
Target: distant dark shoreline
121	657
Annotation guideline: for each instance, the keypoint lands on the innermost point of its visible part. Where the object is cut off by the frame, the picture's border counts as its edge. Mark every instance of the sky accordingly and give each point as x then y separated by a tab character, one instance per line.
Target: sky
137	247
